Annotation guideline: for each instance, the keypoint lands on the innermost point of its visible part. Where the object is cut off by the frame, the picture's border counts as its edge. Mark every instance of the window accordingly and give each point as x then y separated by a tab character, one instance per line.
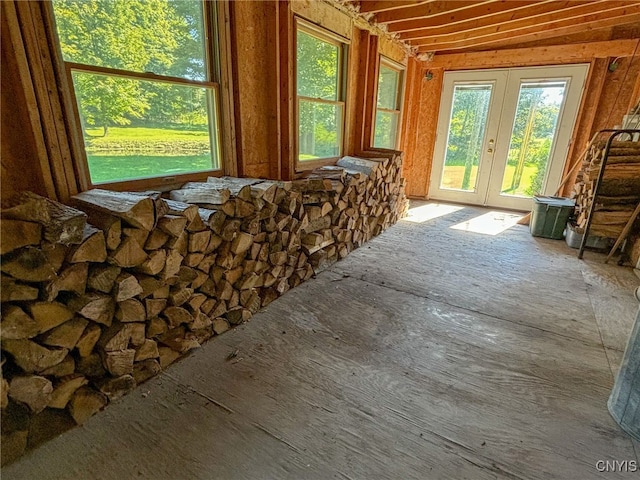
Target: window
143	78
388	106
320	94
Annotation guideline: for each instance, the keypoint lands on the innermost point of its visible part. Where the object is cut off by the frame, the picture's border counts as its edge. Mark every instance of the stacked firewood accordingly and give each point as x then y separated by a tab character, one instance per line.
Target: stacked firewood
99	298
619	191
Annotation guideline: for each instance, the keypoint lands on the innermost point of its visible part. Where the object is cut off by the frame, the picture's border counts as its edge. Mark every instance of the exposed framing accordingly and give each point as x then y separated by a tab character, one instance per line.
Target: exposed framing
300	24
399	100
219	73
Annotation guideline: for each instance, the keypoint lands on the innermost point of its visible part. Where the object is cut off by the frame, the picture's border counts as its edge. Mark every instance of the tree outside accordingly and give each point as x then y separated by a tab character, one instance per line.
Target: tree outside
318	88
532	137
466	134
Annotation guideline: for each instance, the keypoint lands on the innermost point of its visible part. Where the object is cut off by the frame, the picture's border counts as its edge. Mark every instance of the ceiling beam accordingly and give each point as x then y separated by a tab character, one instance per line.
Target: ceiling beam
620	15
552	55
472	12
426	10
374	6
538	15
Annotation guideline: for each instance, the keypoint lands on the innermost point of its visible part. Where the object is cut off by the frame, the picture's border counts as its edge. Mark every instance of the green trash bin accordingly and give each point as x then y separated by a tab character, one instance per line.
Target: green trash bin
549	216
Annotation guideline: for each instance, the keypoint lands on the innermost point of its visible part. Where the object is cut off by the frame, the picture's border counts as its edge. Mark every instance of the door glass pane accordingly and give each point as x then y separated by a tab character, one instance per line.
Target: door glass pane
160	36
139	129
319	130
532	138
469	110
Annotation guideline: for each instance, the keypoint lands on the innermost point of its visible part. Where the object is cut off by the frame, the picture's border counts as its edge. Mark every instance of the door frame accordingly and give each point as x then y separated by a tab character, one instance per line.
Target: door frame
503	102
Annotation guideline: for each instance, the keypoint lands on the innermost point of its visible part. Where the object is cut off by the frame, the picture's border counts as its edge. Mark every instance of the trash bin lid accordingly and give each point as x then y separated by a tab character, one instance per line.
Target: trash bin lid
554	201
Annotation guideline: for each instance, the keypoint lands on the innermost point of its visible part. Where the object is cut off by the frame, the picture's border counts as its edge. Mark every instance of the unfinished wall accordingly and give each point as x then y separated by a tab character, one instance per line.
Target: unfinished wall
18	143
255	56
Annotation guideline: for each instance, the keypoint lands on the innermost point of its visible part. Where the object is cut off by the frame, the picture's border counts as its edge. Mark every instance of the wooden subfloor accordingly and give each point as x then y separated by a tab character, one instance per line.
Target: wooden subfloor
429	353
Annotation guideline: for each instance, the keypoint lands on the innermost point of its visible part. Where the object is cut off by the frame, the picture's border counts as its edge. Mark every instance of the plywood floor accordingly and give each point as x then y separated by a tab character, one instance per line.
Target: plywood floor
430	353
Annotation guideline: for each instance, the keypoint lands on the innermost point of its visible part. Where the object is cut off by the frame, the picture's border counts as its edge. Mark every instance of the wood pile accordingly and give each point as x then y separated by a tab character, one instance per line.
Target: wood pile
100	297
619	192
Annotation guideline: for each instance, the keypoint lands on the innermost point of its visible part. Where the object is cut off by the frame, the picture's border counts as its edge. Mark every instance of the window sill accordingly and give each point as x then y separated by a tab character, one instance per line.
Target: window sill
161	184
308	165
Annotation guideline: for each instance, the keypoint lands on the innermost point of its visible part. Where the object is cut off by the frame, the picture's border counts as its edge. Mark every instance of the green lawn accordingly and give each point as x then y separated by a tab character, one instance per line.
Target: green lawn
143	133
453	179
127	153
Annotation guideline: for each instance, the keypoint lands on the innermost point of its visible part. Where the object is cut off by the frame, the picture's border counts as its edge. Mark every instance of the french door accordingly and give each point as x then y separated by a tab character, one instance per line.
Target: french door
503	134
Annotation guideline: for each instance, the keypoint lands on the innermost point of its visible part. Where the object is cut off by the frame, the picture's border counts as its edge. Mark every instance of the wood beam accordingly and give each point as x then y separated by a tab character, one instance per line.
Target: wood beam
628	14
477	11
553	55
374	6
537	15
427	10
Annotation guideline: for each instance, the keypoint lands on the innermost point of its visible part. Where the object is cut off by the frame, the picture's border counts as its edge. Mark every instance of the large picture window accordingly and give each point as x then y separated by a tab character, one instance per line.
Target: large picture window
388	106
145	84
320	94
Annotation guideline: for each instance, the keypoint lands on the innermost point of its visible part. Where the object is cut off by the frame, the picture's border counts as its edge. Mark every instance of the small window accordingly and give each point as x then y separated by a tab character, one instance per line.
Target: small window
388	107
320	95
144	82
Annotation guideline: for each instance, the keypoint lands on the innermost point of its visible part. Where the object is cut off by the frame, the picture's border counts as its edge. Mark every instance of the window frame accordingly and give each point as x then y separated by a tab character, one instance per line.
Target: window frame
401	70
342	43
212	31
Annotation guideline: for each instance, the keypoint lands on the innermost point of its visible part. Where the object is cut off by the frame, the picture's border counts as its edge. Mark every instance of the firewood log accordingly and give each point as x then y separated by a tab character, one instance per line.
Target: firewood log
156	240
88	340
115	388
12	291
119	362
178	340
131	310
126	286
31	357
16	324
102	277
128	254
62	224
85	403
220	325
145	369
111	228
135	210
28	264
65	335
64	390
176	316
32	390
94	306
15	234
72	279
149	349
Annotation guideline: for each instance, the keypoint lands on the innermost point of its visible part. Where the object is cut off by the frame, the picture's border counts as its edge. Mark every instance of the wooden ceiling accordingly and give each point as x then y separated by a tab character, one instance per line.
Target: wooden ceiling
461	26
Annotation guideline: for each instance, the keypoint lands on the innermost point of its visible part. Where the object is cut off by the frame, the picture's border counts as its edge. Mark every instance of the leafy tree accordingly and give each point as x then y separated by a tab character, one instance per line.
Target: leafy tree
159	36
317	78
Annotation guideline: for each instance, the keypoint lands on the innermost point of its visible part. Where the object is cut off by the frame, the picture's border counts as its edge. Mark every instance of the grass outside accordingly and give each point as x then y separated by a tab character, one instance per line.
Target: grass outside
115	168
128	153
453	175
142	133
